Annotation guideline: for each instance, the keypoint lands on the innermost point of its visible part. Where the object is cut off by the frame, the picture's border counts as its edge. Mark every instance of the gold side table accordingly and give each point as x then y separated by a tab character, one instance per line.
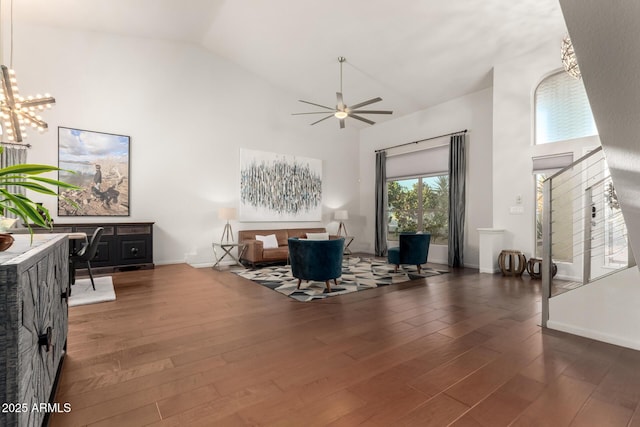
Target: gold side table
347	241
226	248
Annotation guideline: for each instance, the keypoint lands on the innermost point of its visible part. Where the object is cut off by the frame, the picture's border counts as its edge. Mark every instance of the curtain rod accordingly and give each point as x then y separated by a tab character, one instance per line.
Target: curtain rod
421	140
14	143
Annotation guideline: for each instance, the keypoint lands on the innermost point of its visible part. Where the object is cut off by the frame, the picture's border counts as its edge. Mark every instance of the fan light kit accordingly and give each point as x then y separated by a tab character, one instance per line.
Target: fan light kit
341	110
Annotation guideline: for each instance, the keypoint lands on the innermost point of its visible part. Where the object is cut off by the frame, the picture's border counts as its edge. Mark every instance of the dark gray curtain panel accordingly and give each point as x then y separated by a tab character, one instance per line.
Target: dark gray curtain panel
381	204
13	156
457	174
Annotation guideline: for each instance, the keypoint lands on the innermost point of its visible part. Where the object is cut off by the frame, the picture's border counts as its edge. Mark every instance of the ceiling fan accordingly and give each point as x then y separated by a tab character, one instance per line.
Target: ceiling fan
341	110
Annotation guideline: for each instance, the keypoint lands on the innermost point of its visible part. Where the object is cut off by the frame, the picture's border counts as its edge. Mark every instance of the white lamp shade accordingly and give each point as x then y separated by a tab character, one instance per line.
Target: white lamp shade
227	213
341	215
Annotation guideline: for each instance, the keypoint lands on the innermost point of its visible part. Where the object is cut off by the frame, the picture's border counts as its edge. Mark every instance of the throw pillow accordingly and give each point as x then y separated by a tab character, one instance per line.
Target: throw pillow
317	236
268	242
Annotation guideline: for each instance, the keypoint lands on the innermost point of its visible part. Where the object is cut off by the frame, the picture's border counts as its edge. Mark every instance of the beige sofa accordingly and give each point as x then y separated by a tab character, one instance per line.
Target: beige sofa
254	253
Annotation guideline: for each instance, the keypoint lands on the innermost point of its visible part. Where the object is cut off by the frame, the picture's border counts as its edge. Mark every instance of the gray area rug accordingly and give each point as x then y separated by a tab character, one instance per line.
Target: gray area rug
82	292
357	275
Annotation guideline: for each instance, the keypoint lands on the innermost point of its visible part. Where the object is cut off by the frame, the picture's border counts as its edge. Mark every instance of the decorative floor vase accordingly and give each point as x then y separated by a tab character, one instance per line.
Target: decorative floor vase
6	240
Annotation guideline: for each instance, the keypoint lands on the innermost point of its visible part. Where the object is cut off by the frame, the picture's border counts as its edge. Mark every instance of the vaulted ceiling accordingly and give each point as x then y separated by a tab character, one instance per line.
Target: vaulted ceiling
412	53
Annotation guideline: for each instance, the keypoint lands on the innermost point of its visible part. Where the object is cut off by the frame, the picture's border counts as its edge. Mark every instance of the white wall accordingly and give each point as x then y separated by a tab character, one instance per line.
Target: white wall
472	112
188	113
514	83
606	39
513	148
605	310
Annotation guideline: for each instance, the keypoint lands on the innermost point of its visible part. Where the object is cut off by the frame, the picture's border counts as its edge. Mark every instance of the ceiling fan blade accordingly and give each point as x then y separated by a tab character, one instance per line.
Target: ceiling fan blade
362	104
340	101
362	119
341	123
372	111
317	105
324	118
312	112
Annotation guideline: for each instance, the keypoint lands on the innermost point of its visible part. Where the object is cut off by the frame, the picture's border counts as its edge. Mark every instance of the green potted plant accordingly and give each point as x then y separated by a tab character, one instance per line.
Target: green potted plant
27	176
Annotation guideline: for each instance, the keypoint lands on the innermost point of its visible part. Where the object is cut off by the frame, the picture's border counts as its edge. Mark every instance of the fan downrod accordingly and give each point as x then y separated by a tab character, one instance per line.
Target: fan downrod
340	111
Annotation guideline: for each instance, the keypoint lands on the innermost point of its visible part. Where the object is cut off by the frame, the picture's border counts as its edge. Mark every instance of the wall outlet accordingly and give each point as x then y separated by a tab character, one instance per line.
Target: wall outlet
516	210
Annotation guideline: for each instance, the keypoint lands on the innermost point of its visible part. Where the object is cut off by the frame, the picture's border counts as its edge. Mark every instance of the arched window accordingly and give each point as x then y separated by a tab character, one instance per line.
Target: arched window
562	110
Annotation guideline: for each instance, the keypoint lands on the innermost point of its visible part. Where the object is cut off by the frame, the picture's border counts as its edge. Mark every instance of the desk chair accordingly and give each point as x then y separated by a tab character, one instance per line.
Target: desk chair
86	254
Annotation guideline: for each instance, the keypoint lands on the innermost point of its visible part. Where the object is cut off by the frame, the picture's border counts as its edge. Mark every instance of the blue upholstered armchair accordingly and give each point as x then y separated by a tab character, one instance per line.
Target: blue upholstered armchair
413	249
319	260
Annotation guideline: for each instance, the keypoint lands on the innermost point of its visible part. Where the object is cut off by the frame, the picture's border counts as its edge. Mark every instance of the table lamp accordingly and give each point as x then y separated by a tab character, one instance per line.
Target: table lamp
227	213
6	223
341	215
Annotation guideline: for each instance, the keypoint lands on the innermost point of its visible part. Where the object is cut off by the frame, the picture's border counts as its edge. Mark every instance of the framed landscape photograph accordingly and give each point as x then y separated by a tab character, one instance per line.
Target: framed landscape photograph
98	163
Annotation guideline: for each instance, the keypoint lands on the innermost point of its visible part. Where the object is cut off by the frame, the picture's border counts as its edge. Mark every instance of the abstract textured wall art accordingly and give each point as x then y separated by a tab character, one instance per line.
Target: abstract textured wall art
278	187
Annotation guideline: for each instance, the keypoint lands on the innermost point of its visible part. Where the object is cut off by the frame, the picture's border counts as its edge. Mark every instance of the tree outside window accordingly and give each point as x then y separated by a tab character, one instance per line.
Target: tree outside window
419	204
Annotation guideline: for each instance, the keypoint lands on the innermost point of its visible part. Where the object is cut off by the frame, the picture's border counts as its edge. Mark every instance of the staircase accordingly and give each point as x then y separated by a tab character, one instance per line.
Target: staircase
605	304
606	38
583	224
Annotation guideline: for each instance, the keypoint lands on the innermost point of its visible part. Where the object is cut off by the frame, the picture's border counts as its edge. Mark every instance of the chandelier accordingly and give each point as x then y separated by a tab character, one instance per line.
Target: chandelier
569	60
17	112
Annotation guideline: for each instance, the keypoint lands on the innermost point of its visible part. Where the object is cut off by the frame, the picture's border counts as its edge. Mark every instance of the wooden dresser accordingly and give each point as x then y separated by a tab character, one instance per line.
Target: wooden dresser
34	286
124	245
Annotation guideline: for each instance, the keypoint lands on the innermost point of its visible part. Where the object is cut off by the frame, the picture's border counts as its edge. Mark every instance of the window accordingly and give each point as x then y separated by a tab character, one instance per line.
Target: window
539	177
418	193
419	204
562	110
544	167
615	229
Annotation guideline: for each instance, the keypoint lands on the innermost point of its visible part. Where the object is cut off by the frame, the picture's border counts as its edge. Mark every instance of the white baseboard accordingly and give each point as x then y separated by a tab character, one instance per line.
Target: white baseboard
169	262
595	335
211	264
568	278
201	264
194	264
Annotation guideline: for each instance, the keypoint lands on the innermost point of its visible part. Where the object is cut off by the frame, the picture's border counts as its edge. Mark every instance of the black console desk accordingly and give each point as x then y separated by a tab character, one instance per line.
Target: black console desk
124	245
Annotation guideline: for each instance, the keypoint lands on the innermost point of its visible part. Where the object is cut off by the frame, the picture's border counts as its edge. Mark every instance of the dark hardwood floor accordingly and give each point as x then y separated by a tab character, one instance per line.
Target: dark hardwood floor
198	347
